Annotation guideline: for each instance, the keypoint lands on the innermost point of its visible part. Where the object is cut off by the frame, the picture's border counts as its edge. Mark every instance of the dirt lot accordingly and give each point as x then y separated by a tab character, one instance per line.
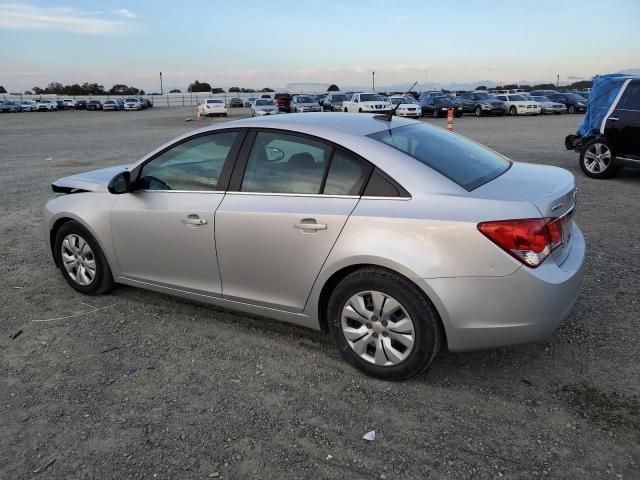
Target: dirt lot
150	386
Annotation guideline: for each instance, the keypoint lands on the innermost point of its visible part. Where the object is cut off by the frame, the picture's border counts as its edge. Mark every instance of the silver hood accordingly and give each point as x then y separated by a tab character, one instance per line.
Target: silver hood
93	181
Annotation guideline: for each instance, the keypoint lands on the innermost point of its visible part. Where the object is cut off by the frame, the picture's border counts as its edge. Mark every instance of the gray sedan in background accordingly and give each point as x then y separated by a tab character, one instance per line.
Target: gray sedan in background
304	103
264	106
397	237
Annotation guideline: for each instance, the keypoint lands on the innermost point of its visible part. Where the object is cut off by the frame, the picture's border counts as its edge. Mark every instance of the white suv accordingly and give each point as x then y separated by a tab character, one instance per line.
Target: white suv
212	107
366	103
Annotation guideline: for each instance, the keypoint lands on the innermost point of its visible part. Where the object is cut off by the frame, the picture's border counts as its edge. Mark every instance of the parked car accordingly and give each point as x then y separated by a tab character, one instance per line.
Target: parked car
366	103
547	106
212	107
94	105
29	106
574	103
542	93
60	104
438	106
249	101
235	102
81	105
264	106
609	135
10	106
481	103
383	232
266	95
132	104
283	100
333	102
47	105
407	106
69	103
304	103
517	104
110	105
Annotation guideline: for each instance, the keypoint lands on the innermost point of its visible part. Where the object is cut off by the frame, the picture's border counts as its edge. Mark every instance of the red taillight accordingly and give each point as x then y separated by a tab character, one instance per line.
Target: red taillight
529	240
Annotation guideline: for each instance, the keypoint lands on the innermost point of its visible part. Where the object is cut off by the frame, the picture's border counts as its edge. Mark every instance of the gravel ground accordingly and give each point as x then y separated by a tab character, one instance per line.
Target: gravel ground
149	386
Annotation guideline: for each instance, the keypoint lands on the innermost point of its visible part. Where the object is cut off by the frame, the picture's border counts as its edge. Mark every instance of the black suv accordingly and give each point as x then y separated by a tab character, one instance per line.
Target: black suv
481	103
616	141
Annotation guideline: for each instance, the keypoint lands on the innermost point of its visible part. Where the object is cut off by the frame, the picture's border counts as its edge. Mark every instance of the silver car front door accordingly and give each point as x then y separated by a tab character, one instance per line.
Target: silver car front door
275	233
163	232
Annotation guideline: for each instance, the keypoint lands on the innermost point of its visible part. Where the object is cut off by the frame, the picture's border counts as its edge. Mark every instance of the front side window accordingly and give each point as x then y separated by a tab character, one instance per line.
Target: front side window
466	163
194	165
283	163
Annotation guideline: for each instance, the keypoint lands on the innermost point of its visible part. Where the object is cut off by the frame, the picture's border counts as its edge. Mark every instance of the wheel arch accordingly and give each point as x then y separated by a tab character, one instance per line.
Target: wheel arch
329	285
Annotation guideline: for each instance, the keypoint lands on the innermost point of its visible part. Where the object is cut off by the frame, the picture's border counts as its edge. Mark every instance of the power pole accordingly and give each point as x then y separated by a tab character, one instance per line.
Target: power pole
373	81
558	81
161	91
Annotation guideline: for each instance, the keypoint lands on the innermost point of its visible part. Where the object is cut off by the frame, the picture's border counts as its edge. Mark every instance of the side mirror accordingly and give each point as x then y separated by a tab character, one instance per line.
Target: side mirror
274	154
121	183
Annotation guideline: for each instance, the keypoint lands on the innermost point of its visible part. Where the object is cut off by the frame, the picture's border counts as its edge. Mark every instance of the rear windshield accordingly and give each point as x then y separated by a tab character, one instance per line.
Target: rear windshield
466	163
214	101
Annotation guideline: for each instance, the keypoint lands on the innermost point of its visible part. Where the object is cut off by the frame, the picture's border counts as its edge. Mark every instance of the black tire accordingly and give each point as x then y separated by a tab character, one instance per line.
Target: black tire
435	114
428	333
103	279
359	110
478	111
346	110
513	111
572	109
610	171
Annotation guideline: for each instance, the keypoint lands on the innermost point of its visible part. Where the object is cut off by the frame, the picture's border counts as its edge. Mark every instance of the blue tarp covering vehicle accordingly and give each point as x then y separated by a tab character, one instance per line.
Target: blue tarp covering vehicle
605	93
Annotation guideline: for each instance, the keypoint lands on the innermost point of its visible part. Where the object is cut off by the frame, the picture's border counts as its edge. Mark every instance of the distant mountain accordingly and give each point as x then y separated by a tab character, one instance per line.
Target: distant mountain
631	71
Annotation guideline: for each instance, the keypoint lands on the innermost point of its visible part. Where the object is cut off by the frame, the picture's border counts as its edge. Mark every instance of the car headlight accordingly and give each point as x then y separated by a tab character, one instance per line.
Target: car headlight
485	105
580	104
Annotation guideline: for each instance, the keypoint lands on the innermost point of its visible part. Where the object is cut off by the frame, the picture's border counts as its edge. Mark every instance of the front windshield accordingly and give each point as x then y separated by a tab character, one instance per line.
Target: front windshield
395	101
264	103
131	100
541	99
305	100
370	97
484	96
516	98
443	101
338	98
575	97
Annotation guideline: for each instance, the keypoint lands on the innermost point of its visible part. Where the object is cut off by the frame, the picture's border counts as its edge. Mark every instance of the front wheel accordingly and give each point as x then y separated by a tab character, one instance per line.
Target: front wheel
596	160
435	114
81	260
478	111
572	109
383	324
513	111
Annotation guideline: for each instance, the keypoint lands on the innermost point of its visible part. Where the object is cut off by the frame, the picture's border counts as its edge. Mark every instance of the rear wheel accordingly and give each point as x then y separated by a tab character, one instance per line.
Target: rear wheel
478	111
383	324
596	160
81	260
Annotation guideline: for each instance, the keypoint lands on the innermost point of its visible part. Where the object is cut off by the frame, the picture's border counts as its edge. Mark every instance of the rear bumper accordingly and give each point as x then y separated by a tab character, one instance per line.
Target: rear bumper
526	306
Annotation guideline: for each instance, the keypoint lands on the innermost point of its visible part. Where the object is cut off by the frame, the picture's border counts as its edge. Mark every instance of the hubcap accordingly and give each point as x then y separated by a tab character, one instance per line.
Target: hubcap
378	328
597	158
78	259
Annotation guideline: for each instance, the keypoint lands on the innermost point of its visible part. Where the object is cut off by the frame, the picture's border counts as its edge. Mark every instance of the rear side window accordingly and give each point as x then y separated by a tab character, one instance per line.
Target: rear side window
462	161
346	175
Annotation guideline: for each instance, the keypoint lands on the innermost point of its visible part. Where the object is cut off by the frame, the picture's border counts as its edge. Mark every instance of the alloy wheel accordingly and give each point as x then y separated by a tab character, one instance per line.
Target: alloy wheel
78	259
378	328
597	158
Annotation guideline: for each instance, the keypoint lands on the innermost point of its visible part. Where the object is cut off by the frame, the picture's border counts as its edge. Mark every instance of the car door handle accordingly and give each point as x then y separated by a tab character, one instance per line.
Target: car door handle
310	224
194	220
614	119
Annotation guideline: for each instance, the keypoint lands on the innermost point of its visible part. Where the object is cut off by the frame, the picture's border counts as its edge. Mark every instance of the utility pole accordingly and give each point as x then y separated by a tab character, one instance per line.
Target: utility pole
161	91
426	77
373	81
558	81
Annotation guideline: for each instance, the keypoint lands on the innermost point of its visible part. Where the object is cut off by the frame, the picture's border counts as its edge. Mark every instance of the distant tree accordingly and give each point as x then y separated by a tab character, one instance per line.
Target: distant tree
199	87
234	90
38	90
511	86
93	89
54	87
2	89
175	90
217	90
141	92
267	89
582	84
28	92
121	89
544	86
333	88
481	87
248	90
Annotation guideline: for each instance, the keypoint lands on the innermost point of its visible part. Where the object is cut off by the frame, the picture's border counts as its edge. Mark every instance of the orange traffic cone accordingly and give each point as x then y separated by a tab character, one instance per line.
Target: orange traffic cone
450	119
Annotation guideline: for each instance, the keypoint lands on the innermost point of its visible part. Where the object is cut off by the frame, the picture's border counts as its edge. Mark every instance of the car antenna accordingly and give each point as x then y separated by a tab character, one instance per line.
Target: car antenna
389	115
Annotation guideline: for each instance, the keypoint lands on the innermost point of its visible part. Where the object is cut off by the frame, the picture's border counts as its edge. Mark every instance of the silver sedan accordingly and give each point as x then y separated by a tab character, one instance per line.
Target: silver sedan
397	237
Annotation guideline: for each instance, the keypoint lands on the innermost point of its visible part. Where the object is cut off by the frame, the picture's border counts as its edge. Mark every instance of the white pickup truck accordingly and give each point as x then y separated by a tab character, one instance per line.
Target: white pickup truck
366	103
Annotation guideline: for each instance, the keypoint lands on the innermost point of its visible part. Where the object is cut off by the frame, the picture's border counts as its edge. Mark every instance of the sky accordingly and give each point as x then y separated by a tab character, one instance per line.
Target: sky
259	43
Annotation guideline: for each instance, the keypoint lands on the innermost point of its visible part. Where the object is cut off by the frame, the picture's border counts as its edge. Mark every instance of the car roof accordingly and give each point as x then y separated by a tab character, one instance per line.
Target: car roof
356	123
